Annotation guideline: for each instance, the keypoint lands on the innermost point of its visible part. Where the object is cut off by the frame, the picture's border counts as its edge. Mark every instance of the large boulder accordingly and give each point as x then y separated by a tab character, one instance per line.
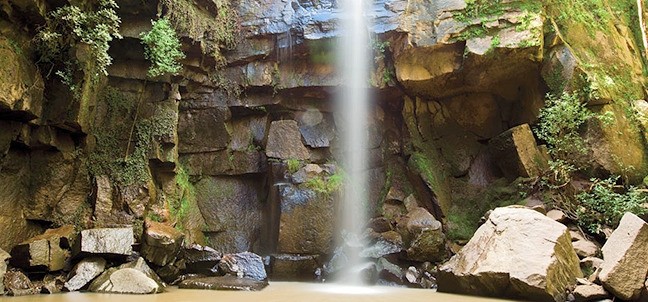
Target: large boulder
306	221
49	251
231	208
160	243
625	256
84	272
106	241
517	253
129	278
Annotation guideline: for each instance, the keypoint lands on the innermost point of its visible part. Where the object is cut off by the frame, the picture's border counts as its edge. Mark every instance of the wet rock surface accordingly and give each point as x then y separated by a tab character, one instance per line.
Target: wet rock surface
200	259
224	283
243	265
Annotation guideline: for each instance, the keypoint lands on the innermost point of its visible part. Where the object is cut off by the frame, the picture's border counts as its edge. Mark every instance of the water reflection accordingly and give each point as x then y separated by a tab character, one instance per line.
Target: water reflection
276	292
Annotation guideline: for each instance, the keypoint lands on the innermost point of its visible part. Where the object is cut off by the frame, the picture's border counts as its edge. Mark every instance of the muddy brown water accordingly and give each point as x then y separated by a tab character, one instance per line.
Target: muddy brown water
276	292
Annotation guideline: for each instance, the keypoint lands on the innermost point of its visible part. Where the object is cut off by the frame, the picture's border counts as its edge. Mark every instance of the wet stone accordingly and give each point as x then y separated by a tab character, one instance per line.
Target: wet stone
201	259
243	265
224	283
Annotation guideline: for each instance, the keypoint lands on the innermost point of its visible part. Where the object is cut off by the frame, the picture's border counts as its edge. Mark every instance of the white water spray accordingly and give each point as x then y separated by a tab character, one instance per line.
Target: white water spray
353	106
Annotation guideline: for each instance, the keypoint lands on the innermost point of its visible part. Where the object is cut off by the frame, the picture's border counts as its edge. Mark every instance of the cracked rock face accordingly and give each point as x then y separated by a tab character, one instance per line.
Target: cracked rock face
517	253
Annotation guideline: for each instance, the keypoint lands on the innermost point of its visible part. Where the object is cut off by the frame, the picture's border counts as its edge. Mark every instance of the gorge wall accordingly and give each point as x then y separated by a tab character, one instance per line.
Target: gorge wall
238	149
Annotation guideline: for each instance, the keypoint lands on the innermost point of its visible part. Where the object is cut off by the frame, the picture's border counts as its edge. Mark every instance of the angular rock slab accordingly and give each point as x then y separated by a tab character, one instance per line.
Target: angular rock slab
625	258
106	241
516	152
50	250
129	278
161	243
285	141
224	283
517	253
84	272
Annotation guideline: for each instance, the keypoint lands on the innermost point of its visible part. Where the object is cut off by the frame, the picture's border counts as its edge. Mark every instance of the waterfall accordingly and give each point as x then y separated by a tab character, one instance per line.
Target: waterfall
354	58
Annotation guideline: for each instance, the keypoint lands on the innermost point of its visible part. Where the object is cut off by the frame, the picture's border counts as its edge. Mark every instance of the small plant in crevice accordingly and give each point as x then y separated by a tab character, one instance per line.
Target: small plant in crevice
293	165
162	48
326	185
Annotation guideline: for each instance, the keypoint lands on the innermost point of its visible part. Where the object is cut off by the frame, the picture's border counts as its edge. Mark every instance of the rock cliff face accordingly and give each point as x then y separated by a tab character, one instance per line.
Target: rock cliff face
238	149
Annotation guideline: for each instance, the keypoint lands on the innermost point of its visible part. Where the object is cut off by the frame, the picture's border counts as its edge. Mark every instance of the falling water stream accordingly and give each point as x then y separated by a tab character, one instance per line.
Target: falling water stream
353	106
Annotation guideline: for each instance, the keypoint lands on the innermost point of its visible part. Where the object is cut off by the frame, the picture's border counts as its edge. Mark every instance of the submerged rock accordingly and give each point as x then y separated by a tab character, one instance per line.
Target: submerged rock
224	283
129	278
625	258
517	253
243	265
84	271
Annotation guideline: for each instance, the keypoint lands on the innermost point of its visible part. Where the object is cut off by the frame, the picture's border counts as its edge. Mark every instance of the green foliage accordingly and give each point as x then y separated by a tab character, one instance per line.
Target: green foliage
326	184
604	205
92	24
216	26
181	207
293	165
560	123
162	48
